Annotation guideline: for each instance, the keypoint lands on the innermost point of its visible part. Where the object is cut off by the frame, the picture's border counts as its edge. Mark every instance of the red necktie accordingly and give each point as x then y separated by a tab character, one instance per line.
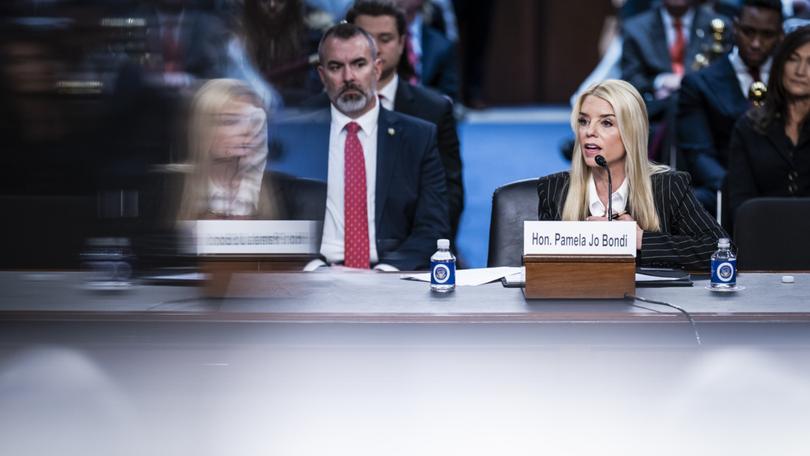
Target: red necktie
355	210
676	52
171	46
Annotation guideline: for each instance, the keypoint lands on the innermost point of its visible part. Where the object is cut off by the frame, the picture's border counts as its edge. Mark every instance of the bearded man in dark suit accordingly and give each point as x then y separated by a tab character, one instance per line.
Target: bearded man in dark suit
386	22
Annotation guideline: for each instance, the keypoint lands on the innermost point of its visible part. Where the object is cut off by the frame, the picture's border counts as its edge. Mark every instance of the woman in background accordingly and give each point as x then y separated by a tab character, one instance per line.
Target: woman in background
274	49
770	145
227	156
672	228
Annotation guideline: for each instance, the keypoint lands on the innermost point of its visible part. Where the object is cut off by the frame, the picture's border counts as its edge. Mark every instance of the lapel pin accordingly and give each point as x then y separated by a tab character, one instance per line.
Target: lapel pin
391	132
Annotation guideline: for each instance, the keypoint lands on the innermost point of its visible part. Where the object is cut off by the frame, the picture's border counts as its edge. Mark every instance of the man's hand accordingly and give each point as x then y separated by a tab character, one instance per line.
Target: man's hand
666	84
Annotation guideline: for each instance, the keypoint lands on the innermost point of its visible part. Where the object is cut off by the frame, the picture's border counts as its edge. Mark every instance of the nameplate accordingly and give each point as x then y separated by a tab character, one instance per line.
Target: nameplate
579	238
241	237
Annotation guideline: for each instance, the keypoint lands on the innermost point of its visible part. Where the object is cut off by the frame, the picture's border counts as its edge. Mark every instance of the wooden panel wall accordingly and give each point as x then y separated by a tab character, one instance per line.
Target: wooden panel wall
540	51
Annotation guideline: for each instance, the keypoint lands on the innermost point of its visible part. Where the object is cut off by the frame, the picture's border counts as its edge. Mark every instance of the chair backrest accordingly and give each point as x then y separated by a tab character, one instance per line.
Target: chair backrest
301	198
771	234
511	205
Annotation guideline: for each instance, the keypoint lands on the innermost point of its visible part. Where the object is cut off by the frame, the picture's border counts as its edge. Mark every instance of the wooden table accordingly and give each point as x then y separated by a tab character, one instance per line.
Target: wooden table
360	363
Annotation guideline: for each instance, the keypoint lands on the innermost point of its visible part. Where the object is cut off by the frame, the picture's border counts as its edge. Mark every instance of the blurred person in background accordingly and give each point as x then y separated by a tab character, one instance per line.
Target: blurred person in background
224	176
673	229
275	46
712	99
769	154
429	58
179	46
659	47
188	42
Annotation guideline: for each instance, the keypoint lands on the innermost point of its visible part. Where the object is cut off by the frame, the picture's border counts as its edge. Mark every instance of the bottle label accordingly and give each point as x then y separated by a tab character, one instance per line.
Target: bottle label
443	272
724	271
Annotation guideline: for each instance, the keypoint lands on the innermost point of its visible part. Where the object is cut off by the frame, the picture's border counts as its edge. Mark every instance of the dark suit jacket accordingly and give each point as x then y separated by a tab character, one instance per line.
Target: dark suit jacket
411	201
709	104
645	53
203	40
688	234
428	105
767	164
439	63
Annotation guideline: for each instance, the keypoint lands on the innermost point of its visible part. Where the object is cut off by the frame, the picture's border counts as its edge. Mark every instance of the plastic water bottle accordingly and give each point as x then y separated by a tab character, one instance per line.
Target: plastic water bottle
724	265
109	263
443	268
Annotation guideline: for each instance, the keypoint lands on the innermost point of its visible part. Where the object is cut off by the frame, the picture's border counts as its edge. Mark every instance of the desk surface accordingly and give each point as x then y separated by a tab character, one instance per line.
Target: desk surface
377	297
388	368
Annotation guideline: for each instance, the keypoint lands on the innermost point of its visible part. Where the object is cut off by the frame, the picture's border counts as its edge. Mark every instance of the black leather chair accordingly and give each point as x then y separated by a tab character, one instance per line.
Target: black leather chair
511	205
772	234
301	198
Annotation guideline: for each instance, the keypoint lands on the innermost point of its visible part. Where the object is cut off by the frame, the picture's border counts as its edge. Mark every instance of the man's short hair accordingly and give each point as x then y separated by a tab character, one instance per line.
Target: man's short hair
377	8
774	5
345	31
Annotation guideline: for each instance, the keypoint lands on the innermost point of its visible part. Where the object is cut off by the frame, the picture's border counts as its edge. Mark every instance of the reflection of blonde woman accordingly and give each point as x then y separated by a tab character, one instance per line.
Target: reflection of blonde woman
673	229
228	153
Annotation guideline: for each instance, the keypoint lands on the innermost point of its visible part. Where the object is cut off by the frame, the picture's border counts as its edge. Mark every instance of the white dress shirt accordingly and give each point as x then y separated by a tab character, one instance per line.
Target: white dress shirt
334	220
388	94
618	199
743	76
686	28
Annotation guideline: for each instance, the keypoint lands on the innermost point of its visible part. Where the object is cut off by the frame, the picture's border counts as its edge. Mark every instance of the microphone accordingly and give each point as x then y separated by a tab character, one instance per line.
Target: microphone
600	160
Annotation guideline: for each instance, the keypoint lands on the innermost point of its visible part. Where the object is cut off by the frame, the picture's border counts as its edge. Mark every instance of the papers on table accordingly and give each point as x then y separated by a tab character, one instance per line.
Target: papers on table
654	278
470	277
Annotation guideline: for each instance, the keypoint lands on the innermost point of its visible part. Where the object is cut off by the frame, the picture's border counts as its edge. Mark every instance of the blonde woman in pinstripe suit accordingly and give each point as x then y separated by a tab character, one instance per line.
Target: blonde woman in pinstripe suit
673	229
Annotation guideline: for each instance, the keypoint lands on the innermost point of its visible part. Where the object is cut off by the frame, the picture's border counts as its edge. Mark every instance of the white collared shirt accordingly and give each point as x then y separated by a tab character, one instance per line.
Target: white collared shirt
618	199
334	221
686	25
388	94
743	76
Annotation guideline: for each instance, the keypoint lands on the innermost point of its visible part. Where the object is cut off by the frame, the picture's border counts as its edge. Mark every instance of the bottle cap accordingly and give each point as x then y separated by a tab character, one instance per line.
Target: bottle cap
443	243
723	243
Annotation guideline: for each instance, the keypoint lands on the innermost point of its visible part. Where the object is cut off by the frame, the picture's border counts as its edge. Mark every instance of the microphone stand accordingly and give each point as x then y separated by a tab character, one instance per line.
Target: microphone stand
600	160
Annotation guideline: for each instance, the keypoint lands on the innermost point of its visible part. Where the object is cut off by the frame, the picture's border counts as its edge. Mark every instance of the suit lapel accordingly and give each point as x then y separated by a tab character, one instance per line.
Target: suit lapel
404	98
388	148
659	45
725	89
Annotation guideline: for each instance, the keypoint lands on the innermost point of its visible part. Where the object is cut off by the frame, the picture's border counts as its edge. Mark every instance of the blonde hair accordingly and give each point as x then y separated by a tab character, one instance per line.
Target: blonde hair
209	100
631	115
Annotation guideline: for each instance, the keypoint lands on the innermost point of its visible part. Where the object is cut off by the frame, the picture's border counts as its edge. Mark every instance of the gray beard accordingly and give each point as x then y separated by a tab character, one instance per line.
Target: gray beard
351	104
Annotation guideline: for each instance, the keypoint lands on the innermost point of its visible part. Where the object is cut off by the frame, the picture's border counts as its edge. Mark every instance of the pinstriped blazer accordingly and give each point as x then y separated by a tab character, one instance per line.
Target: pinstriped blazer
688	234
